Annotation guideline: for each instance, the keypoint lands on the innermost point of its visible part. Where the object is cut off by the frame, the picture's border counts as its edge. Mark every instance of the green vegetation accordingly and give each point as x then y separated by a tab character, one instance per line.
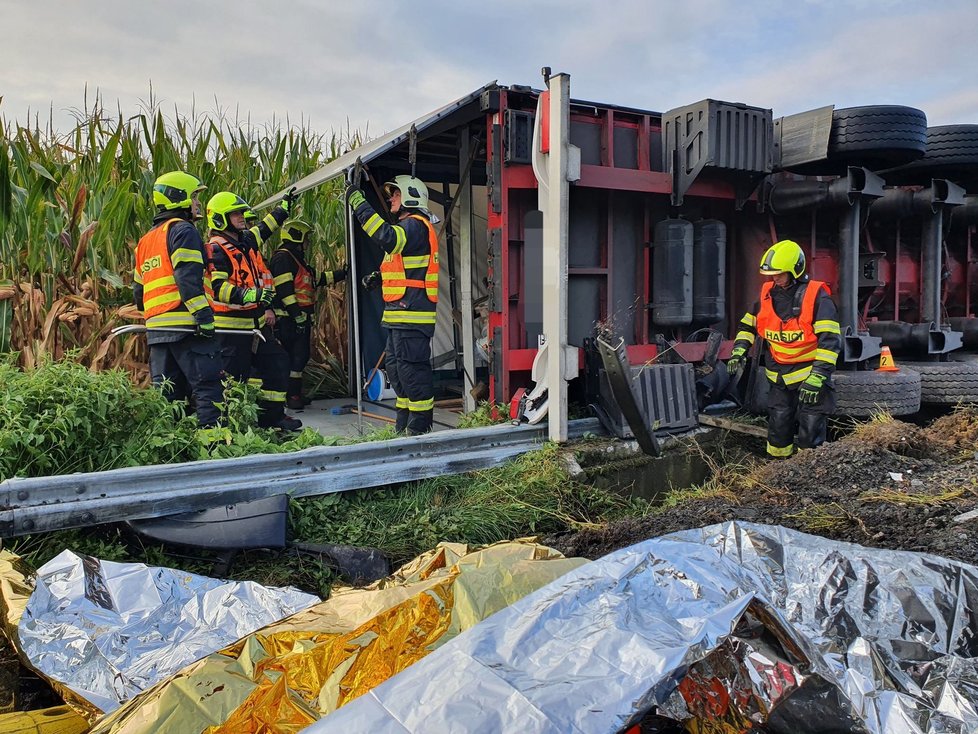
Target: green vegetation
485	414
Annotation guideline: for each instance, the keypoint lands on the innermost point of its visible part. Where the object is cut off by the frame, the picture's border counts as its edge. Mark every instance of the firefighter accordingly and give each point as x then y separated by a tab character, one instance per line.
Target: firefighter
409	280
295	300
243	294
796	319
172	289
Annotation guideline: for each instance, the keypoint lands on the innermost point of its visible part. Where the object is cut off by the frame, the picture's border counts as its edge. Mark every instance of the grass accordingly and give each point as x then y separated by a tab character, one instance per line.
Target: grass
485	414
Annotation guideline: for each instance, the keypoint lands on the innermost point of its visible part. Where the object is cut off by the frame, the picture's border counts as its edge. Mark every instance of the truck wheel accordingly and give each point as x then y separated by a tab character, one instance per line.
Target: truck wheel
861	394
878	136
946	383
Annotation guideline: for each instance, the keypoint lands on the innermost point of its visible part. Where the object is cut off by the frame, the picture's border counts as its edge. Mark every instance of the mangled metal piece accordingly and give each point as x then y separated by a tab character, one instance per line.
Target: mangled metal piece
106	631
727	628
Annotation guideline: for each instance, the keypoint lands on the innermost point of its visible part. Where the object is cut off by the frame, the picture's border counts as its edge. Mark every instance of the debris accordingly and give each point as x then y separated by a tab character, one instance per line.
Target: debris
896	476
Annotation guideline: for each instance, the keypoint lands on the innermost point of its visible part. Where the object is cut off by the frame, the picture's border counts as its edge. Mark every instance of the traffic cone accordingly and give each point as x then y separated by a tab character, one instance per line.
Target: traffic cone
886	361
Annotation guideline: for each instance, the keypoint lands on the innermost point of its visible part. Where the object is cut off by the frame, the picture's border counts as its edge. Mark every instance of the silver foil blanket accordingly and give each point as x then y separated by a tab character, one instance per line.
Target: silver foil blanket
730	628
110	630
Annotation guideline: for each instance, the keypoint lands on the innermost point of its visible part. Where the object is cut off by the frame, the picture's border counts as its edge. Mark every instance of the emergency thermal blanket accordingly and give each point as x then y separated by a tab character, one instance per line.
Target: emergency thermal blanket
106	631
724	628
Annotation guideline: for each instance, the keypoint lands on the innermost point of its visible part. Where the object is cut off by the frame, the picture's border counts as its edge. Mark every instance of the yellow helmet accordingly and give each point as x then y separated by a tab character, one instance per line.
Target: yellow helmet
295	230
222	204
175	190
414	194
783	257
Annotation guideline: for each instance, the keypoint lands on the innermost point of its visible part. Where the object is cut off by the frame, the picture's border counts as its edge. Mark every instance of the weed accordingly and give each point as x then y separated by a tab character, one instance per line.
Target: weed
485	414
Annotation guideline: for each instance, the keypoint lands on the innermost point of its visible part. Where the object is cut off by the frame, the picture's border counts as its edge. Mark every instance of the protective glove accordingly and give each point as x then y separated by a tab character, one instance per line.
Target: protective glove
339	274
250	297
738	358
288	203
302	322
372	281
206	330
266	296
811	389
355	197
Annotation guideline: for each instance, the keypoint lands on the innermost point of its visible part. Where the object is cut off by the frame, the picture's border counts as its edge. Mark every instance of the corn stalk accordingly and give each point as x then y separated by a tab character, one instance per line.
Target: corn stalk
73	206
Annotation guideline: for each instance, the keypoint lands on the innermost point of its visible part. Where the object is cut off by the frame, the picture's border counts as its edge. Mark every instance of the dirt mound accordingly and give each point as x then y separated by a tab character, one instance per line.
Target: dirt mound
889	484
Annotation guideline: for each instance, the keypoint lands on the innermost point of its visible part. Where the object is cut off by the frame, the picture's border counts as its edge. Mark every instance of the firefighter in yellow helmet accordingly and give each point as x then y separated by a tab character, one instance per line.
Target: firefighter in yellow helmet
797	323
243	294
172	289
408	278
295	301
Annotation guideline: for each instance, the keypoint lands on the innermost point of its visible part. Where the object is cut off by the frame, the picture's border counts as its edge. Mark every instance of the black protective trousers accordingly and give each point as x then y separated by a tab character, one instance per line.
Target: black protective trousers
296	341
408	365
791	423
268	363
187	368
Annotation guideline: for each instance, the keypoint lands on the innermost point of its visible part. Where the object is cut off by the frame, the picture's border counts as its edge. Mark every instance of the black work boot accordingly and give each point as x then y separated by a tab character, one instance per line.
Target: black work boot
295	402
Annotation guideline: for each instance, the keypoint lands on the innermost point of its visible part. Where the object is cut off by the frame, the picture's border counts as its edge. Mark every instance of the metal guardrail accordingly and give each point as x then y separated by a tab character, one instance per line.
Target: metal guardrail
79	500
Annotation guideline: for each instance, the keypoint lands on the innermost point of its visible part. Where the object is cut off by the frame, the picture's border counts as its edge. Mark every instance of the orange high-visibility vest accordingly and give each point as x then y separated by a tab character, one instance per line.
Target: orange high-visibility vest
302	285
248	270
792	341
162	305
394	279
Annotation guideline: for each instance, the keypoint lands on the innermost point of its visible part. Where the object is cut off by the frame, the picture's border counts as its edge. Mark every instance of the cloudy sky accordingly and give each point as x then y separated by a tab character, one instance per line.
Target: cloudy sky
374	66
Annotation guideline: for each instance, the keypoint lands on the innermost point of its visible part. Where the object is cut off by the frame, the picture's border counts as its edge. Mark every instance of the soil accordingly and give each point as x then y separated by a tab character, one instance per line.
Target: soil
888	484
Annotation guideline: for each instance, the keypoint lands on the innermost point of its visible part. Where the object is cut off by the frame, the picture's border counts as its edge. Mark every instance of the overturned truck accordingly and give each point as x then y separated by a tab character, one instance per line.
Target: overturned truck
667	216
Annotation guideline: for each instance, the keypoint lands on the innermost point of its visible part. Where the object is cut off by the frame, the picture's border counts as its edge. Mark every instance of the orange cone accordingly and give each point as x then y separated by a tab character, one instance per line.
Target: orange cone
886	361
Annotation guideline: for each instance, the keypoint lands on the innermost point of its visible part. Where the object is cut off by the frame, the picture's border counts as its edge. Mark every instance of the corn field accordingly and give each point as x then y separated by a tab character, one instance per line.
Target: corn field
73	205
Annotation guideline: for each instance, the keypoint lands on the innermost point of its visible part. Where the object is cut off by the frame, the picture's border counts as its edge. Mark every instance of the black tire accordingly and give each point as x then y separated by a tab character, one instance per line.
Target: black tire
952	152
946	383
876	137
861	394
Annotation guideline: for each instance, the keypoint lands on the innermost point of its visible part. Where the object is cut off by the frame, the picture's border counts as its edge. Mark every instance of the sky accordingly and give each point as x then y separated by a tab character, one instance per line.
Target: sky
373	66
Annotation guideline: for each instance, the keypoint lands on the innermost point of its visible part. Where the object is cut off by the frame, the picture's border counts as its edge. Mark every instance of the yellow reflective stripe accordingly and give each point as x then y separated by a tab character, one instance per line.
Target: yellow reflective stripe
150	303
749	320
330	278
826	327
373	224
225	292
171	318
233	322
159	282
826	355
289	300
137	277
281	312
746	336
272	396
789	351
219	275
417	261
196	303
409	317
400	241
186	255
295	375
780	451
771	374
401	403
255	381
419	406
793	378
283	278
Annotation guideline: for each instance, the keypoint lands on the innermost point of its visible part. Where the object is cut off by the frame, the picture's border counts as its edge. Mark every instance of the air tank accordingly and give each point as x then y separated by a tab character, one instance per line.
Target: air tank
672	273
709	284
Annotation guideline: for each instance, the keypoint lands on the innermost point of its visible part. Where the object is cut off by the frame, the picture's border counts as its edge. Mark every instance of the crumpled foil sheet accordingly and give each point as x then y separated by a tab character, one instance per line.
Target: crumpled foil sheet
287	675
106	631
731	628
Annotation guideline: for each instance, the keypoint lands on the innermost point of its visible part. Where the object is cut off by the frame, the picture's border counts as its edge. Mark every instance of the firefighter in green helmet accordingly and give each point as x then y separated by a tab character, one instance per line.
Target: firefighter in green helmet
172	289
408	278
797	323
243	294
295	301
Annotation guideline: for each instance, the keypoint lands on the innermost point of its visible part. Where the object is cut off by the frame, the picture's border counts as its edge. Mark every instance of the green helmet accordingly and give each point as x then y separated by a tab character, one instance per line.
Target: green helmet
414	194
175	190
295	230
783	257
222	204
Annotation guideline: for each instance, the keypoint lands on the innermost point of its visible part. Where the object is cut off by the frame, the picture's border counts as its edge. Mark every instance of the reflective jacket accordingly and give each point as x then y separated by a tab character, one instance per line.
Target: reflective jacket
800	331
295	282
245	269
170	285
409	271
